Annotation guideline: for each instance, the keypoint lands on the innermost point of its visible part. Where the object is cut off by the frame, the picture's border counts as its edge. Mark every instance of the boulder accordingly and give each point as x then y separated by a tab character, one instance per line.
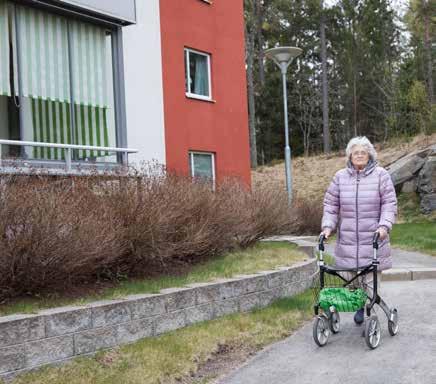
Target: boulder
428	203
417	172
409	186
408	166
426	184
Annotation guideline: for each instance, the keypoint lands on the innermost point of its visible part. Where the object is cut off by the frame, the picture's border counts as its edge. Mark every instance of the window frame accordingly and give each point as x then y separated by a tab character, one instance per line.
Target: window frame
188	93
191	162
117	74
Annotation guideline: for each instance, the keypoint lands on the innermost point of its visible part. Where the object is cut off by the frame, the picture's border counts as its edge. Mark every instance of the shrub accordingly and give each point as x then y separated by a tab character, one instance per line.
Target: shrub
53	234
306	217
61	232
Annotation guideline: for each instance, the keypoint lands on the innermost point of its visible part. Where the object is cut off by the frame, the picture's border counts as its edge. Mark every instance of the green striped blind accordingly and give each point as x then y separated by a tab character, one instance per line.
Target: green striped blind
43	55
4	49
89	64
45	61
51	123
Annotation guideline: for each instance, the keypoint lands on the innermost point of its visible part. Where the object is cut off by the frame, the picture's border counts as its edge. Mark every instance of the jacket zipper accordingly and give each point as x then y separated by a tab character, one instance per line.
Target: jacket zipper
357	219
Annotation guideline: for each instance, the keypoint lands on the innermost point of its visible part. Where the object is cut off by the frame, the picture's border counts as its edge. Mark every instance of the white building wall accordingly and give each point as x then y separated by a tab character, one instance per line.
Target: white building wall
143	84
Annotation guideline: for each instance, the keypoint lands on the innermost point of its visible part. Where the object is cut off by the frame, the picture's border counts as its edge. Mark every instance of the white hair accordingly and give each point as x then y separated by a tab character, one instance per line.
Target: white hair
365	143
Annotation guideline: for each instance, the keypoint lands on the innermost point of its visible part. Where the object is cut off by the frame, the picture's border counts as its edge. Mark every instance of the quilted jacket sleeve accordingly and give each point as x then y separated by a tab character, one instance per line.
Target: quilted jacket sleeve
388	205
331	205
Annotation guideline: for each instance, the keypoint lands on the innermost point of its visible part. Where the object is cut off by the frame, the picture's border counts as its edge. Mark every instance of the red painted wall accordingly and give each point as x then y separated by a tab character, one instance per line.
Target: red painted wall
222	126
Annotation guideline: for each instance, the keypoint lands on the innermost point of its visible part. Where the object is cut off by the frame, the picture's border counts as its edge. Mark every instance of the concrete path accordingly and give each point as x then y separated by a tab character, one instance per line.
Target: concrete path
407	265
407	358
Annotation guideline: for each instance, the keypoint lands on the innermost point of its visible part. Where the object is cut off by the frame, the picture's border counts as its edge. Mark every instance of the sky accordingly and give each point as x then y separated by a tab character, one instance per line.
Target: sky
399	5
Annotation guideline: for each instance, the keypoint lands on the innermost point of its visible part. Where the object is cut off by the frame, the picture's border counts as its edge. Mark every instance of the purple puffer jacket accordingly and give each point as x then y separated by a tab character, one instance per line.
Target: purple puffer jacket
358	203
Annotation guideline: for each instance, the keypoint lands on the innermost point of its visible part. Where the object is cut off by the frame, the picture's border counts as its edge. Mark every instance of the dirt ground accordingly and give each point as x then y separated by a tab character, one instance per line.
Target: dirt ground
312	175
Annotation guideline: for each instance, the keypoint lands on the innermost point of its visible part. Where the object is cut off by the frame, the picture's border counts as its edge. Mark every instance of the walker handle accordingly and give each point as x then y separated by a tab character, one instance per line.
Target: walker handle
375	240
321	242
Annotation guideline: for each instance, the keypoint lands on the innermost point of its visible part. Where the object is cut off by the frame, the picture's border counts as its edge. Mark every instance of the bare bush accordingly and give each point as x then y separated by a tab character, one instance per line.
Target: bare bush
306	217
172	218
53	234
60	232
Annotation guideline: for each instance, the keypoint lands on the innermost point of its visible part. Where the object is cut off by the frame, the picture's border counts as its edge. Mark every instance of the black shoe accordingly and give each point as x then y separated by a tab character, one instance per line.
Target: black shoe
359	316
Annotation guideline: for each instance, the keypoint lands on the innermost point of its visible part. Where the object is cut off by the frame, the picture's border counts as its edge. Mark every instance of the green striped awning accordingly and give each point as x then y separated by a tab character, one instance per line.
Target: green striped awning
4	49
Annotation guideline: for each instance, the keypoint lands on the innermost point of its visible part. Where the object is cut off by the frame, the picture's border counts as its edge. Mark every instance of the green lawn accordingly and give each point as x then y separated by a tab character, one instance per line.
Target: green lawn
415	237
414	231
173	357
262	256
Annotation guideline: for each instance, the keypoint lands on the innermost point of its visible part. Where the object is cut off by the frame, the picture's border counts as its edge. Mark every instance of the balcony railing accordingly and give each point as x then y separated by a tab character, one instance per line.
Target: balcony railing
69	148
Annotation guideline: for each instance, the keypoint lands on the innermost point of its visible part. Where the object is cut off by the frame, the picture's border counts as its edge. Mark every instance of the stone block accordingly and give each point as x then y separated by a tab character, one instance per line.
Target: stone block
95	339
277	278
12	358
266	298
16	329
169	322
226	307
61	321
199	313
396	274
146	305
249	302
110	312
423	273
231	288
207	293
253	283
179	298
49	350
134	330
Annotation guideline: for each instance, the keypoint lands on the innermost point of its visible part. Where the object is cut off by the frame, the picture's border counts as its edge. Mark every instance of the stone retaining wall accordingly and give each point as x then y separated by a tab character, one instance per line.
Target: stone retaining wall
55	335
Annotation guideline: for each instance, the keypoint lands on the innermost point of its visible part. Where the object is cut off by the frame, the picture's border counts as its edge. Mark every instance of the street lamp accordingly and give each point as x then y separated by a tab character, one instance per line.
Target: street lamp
283	57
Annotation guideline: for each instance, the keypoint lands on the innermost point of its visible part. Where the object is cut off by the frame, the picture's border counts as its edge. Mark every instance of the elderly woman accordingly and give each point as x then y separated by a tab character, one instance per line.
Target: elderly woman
360	201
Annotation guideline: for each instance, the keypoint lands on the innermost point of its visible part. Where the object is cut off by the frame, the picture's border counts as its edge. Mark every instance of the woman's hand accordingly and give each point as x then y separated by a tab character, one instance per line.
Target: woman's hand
382	232
326	232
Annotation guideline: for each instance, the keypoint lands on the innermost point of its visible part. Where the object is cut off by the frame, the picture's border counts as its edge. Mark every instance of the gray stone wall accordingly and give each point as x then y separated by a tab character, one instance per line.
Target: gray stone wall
56	335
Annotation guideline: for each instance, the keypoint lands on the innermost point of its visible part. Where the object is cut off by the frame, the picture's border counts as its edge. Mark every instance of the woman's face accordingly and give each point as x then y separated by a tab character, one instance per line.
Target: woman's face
359	156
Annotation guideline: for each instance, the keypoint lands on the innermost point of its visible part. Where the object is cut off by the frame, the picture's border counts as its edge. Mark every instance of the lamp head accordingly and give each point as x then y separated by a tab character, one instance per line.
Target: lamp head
283	55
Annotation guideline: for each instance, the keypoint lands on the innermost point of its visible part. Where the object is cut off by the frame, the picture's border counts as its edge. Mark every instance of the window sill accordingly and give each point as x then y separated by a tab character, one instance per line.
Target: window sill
200	98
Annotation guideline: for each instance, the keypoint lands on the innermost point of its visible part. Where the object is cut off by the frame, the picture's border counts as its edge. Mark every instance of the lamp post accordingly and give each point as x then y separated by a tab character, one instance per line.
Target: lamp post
283	57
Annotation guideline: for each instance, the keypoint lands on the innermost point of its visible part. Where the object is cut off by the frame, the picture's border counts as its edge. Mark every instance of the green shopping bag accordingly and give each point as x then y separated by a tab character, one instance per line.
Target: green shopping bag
343	299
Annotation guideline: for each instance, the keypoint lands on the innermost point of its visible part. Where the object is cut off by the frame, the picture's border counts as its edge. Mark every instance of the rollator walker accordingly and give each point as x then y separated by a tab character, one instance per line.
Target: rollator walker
335	293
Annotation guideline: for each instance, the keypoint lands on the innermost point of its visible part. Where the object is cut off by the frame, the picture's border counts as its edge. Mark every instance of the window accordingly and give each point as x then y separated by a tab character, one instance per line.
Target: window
56	84
197	74
202	166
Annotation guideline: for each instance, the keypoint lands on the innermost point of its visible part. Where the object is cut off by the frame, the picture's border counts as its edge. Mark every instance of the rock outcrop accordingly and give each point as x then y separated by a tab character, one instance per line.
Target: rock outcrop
416	172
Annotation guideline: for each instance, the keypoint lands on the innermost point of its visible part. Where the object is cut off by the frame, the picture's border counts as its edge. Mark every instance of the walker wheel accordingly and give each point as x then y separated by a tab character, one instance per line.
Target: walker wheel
334	321
393	322
321	331
372	332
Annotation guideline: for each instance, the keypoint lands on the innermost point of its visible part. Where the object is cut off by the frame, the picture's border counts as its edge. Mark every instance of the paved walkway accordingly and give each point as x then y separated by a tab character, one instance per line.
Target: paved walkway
407	358
407	265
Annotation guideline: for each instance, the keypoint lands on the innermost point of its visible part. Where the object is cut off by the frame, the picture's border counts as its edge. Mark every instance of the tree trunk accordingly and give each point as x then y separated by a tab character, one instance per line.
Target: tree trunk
354	105
325	102
259	19
427	45
251	102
